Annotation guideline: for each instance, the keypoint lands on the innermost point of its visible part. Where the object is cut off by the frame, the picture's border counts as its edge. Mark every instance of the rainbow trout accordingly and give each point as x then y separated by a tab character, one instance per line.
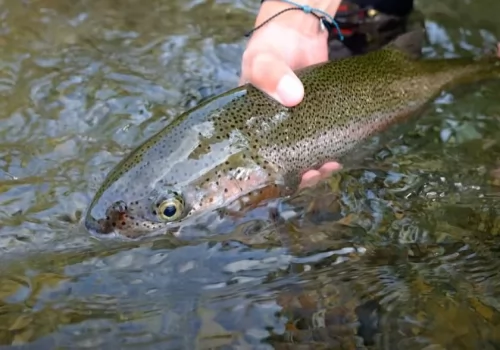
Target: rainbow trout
242	142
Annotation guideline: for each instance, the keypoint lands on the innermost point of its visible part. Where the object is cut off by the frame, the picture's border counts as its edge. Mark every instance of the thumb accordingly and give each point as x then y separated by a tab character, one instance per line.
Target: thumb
272	75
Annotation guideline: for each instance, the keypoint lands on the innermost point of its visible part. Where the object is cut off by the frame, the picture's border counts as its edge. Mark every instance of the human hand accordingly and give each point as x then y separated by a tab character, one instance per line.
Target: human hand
288	42
291	41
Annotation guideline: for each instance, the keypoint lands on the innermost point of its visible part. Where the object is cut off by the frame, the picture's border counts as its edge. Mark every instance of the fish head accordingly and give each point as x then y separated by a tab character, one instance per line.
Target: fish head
134	213
169	181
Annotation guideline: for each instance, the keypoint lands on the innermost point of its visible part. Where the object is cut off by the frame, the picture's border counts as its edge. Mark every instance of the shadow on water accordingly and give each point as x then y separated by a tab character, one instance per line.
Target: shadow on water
401	252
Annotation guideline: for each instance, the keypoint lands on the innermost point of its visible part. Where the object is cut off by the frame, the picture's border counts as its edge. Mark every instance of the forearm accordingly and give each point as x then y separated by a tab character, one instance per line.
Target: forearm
308	23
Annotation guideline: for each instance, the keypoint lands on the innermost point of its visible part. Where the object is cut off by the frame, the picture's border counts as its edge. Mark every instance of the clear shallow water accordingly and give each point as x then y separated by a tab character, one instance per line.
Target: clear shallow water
400	253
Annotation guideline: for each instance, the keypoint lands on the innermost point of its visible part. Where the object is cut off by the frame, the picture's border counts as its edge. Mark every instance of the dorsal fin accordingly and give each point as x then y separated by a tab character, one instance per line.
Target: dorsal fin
408	44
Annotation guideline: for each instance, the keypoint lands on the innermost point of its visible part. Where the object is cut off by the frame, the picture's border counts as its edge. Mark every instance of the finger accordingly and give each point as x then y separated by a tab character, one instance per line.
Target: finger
272	75
328	168
310	178
246	60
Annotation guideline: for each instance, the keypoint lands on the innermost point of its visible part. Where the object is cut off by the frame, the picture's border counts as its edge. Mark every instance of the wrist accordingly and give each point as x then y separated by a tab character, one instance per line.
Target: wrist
307	23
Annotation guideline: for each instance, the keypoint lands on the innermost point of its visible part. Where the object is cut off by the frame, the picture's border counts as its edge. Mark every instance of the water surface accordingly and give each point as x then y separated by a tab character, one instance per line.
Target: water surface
401	253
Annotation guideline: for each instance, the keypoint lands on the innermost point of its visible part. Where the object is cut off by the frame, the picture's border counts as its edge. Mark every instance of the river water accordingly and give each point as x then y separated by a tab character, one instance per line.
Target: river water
402	253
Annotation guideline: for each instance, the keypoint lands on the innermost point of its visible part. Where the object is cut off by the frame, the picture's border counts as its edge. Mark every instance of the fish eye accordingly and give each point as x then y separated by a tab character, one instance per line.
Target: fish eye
171	209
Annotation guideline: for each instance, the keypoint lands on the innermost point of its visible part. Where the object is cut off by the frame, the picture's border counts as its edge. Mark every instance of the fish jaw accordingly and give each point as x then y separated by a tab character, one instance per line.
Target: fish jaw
119	221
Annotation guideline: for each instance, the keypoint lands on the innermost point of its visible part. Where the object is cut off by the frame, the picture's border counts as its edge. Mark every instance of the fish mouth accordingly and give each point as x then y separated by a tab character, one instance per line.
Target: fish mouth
102	229
118	221
96	227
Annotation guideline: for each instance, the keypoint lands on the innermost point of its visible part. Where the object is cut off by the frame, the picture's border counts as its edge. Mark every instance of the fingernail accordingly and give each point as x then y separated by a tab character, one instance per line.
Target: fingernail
290	90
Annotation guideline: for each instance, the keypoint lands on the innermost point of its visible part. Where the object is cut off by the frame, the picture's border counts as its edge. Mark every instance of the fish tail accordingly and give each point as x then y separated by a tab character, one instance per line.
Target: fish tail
464	71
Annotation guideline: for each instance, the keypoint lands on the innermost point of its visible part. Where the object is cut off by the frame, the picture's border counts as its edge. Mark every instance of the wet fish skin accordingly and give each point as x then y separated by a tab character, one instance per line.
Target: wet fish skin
242	141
